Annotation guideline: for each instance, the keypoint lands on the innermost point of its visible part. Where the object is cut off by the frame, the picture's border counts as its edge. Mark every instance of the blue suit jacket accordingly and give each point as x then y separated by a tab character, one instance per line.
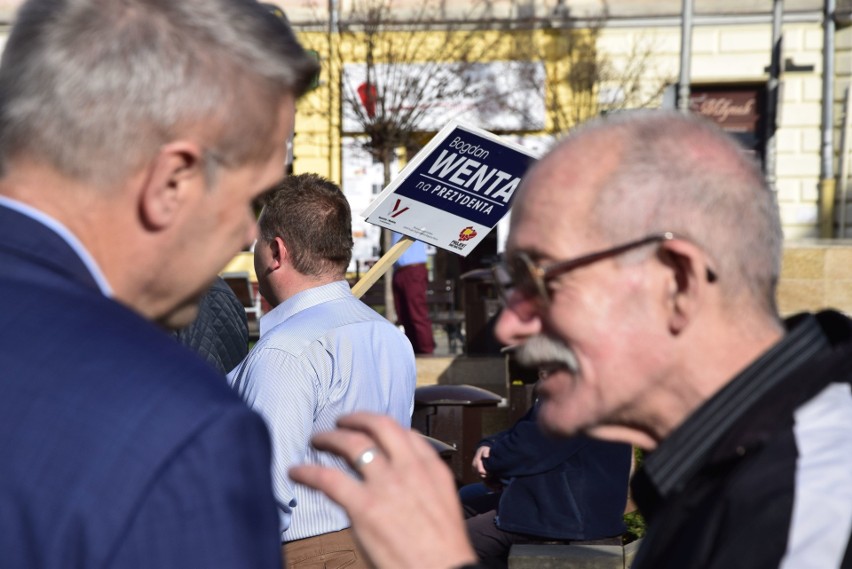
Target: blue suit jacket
118	447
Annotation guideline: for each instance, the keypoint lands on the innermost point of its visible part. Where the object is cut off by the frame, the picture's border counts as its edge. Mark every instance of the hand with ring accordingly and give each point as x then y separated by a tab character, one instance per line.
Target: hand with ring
404	508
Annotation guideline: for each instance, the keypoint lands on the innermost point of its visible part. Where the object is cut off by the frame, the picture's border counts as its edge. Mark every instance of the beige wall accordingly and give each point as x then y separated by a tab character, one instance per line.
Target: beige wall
816	275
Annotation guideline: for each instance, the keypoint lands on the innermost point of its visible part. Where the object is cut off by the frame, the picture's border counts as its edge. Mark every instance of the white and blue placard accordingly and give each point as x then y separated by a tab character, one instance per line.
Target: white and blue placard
455	190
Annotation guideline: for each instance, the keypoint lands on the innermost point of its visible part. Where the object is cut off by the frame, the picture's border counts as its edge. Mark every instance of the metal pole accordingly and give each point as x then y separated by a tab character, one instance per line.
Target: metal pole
685	57
387	243
826	182
772	89
843	176
332	28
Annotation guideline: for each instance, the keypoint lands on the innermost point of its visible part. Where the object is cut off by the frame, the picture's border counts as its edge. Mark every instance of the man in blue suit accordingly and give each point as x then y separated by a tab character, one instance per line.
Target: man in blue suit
134	137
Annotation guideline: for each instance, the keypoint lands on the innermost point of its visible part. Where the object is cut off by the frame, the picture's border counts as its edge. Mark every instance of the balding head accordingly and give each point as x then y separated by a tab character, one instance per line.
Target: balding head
649	171
645	249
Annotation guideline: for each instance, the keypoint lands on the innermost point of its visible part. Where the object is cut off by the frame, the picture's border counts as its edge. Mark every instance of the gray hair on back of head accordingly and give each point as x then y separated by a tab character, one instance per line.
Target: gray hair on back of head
95	87
683	174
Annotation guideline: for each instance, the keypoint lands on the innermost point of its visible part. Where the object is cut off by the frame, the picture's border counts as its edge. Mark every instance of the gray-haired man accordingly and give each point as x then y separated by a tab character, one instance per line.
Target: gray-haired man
134	136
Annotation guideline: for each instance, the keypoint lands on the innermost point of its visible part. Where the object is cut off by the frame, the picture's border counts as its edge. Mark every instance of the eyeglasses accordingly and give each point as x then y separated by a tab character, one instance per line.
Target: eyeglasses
521	274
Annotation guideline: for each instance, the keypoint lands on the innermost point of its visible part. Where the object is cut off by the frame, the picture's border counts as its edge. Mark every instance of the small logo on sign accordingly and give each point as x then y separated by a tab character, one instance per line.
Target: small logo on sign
467	233
396	211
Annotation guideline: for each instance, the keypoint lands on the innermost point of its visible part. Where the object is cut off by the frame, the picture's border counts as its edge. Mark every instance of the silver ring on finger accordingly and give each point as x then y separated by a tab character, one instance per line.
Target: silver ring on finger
365	458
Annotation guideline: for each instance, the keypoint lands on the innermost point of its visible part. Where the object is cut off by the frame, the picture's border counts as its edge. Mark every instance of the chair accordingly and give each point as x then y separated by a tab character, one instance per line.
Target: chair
441	298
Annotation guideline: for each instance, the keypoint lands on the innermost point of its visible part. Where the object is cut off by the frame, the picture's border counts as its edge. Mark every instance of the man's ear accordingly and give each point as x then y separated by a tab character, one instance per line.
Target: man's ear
688	279
278	253
176	171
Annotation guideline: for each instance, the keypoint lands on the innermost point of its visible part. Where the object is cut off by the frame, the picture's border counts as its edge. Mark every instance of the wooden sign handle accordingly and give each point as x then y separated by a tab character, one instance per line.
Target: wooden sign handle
381	266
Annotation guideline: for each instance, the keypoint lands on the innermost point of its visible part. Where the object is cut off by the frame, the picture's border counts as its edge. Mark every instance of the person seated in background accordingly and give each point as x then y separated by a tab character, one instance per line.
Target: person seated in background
322	353
219	333
546	490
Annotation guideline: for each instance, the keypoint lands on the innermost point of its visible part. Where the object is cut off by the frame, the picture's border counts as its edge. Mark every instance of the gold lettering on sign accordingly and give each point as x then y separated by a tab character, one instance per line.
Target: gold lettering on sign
723	107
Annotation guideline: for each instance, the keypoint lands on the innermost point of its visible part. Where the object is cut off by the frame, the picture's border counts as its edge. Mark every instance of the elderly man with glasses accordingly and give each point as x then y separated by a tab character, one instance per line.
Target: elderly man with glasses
644	255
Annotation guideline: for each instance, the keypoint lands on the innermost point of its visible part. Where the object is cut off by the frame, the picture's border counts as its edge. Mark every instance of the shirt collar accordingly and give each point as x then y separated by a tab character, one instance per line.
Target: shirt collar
302	301
687	449
66	235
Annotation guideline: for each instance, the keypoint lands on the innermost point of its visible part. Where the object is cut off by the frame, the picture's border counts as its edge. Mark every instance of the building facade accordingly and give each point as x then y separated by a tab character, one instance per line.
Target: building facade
628	51
394	70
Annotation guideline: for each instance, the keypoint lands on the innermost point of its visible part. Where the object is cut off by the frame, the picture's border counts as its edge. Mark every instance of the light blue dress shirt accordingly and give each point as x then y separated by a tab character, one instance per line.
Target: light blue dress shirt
66	235
322	353
415	254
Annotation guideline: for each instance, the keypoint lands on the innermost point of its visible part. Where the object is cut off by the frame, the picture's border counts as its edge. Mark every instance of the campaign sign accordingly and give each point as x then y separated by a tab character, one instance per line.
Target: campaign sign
455	190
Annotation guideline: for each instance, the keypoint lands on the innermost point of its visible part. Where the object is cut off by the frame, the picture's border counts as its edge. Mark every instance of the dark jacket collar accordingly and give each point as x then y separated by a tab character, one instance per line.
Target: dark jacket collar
747	410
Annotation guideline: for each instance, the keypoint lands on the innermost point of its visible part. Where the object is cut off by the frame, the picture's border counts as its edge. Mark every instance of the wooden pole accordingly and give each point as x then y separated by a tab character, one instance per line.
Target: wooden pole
381	266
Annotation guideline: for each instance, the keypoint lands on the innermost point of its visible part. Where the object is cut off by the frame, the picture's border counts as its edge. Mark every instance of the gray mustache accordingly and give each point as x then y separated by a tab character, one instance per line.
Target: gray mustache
541	350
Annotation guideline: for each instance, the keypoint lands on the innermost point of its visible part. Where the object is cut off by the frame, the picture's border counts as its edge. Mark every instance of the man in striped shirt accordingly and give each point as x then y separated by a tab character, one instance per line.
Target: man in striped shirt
322	353
644	253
